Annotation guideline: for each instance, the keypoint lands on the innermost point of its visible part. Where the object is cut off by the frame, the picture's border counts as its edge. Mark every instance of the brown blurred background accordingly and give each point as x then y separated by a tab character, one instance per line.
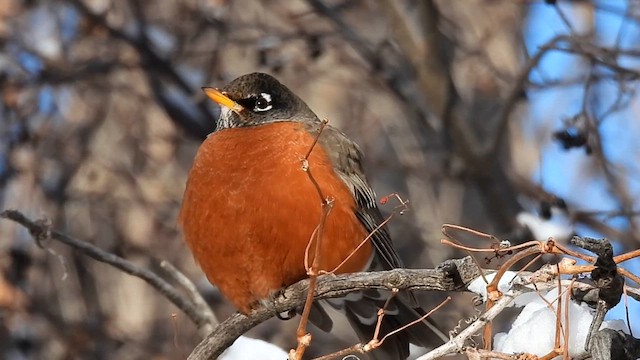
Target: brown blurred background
101	115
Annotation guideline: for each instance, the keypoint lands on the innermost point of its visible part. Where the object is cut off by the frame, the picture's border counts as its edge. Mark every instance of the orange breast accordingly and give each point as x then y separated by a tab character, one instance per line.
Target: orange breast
249	211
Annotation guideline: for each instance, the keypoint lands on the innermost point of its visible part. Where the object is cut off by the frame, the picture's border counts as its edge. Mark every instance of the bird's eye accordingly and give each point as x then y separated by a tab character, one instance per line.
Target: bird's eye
263	102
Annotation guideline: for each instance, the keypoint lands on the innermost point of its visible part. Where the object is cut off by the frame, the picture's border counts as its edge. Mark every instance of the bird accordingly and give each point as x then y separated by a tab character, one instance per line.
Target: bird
249	211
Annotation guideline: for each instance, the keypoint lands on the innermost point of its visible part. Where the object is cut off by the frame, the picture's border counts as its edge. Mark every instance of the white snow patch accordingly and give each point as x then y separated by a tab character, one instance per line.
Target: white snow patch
558	226
534	329
248	348
479	287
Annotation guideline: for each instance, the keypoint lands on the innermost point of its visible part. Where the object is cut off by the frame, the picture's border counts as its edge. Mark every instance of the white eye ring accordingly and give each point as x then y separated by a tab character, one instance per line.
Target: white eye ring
263	103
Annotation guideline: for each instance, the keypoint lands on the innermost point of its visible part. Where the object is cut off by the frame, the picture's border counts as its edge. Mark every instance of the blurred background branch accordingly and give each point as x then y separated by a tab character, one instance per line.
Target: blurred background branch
42	233
514	118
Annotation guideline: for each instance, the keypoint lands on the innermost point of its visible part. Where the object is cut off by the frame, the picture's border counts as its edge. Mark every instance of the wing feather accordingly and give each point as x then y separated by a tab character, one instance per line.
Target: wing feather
347	160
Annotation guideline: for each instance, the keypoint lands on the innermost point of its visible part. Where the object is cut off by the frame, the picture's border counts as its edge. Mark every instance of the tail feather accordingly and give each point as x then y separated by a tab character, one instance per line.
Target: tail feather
361	310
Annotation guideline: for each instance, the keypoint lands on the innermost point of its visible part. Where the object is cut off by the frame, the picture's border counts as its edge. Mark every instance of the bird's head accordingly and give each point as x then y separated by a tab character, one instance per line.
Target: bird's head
256	99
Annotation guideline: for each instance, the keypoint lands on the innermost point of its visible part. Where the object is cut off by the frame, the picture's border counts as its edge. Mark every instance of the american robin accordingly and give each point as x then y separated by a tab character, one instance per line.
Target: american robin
249	210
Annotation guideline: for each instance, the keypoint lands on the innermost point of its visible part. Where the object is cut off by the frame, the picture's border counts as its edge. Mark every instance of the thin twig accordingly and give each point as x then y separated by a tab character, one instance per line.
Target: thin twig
564	18
304	338
456	344
566	320
381	313
402	207
443	303
628	274
323	124
375	343
559	329
626	310
342	354
627	256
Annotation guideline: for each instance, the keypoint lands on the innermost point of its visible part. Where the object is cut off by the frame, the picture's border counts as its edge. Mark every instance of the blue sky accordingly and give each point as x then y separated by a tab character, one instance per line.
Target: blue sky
562	172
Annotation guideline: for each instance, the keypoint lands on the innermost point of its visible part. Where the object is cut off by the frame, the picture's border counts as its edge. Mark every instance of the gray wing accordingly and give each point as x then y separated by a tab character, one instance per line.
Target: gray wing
361	307
346	158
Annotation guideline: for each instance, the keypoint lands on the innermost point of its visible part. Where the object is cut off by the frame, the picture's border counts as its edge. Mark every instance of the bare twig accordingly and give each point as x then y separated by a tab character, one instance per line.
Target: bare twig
375	343
398	209
502	117
418	320
304	338
456	344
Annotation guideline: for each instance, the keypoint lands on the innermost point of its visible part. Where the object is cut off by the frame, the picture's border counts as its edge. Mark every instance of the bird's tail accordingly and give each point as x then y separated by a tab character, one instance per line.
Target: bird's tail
361	310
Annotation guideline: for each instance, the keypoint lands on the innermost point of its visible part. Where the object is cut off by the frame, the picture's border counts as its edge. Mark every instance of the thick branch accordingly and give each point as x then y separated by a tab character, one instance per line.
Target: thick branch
453	275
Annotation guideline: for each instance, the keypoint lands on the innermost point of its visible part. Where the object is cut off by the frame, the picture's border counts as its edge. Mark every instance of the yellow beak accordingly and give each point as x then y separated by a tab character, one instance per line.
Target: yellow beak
222	99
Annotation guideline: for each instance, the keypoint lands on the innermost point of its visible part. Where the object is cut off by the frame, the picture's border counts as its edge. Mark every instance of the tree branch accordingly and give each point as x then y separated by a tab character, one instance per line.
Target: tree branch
452	275
456	344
